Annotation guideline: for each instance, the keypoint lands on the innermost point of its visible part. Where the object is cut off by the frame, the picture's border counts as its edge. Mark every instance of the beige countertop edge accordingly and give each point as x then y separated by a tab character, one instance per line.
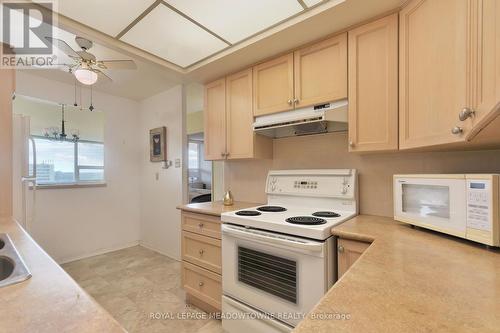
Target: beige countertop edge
410	280
215	208
50	301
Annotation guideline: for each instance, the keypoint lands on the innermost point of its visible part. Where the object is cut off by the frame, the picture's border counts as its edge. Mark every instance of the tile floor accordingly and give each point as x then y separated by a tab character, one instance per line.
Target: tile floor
133	283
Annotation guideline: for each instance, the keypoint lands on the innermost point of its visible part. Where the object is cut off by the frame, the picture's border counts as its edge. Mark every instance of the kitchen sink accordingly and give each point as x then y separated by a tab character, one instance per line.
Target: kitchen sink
12	268
6	268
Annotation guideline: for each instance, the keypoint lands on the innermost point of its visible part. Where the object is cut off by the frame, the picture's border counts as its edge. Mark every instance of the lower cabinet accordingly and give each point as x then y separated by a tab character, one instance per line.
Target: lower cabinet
348	252
202	260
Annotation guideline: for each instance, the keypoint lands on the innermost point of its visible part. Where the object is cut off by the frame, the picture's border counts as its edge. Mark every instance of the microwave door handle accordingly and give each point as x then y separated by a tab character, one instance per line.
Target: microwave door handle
250	235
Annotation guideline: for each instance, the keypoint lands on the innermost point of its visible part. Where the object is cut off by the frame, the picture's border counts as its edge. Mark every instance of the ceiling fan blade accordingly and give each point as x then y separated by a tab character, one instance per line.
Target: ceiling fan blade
101	76
63	46
117	64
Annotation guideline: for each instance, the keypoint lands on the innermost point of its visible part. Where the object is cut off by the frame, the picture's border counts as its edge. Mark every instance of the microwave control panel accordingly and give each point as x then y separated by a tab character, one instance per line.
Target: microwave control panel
479	204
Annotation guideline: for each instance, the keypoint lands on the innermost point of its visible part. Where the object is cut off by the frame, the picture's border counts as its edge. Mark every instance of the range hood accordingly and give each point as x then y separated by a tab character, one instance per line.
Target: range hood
316	119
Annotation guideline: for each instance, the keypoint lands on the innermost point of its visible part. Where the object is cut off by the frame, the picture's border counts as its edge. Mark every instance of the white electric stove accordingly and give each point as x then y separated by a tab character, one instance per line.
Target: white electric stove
279	258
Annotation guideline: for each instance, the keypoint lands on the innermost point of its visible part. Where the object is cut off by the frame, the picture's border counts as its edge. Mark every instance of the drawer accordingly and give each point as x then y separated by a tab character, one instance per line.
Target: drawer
202	284
202	224
202	251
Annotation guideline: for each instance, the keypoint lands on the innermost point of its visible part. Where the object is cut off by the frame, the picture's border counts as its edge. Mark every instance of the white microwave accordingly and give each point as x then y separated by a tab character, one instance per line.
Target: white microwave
463	205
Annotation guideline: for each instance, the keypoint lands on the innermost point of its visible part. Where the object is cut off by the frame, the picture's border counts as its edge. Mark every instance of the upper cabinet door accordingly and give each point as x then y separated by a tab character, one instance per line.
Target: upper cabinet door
433	72
373	86
273	86
321	72
240	134
484	60
215	120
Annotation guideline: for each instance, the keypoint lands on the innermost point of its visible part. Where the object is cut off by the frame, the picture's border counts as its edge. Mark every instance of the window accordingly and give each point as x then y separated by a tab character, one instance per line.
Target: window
66	162
194	161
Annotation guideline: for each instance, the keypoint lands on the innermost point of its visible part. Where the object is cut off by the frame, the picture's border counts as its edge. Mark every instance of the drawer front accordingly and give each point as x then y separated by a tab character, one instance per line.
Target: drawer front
202	284
202	251
206	225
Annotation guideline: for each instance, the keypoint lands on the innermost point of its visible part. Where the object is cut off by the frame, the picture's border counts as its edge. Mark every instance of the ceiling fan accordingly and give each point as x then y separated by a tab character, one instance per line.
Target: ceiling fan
86	68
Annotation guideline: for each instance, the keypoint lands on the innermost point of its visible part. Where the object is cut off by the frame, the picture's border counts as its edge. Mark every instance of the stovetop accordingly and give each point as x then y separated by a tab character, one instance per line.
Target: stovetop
313	201
319	227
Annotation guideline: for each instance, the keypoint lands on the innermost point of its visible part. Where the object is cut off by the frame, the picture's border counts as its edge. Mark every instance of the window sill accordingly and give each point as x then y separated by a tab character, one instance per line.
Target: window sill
69	186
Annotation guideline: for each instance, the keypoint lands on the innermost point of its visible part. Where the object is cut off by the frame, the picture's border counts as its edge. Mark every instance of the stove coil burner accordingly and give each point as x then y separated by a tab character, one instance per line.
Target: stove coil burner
326	214
307	220
272	209
248	213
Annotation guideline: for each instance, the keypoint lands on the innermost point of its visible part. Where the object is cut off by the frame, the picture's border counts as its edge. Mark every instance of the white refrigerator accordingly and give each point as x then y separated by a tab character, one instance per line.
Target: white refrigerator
24	176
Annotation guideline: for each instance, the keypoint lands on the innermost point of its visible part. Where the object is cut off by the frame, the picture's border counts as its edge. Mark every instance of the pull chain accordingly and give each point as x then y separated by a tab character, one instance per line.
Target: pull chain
91	107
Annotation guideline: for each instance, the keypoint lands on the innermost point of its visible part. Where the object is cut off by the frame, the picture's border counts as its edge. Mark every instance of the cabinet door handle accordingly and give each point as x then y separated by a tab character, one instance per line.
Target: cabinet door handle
466	113
201	252
296	101
227	154
351	143
201	284
200	225
457	130
340	248
290	102
222	154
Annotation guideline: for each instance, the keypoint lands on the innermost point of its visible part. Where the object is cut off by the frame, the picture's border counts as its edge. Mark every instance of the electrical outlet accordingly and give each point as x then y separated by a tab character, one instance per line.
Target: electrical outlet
177	162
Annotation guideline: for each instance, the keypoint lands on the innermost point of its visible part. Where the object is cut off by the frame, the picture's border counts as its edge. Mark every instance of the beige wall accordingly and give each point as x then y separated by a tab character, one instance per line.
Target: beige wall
162	189
45	114
246	179
194	122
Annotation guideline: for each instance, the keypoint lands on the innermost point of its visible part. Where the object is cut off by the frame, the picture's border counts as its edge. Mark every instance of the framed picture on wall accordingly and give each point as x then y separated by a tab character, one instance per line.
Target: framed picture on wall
158	144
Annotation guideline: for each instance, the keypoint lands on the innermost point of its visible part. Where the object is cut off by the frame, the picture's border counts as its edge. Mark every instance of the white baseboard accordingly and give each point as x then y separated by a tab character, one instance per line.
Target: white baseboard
152	248
98	252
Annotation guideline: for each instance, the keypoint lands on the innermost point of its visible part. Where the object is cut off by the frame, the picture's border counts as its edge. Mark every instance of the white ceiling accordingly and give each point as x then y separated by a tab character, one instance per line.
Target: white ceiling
182	32
155	74
147	80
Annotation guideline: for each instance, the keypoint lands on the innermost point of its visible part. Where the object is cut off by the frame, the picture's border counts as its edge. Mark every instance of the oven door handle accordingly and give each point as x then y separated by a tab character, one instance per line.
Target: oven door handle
256	235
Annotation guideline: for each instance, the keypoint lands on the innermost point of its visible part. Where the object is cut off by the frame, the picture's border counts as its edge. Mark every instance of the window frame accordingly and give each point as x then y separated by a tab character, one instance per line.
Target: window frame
76	166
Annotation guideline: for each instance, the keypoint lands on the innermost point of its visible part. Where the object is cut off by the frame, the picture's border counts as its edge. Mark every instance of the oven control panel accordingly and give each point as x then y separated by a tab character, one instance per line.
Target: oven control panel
479	204
327	183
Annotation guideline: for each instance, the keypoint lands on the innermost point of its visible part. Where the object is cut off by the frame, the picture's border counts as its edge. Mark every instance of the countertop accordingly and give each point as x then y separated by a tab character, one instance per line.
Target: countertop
50	301
215	208
411	280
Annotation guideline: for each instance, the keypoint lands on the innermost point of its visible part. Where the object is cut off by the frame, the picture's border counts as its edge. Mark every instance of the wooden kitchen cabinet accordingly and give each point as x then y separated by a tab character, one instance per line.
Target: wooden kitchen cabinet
228	120
311	75
242	141
348	251
485	83
273	86
202	260
7	88
320	72
373	86
215	120
437	50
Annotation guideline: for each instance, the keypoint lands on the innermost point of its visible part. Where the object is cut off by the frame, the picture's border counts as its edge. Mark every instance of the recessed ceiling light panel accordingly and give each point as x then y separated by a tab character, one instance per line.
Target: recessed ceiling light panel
108	16
237	20
170	36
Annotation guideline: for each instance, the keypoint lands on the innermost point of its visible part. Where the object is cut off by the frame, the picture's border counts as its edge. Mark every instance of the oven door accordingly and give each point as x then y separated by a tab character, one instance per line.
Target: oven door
280	275
434	203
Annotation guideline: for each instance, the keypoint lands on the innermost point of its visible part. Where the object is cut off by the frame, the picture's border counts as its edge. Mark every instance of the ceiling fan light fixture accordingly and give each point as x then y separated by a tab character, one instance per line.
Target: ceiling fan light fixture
86	76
